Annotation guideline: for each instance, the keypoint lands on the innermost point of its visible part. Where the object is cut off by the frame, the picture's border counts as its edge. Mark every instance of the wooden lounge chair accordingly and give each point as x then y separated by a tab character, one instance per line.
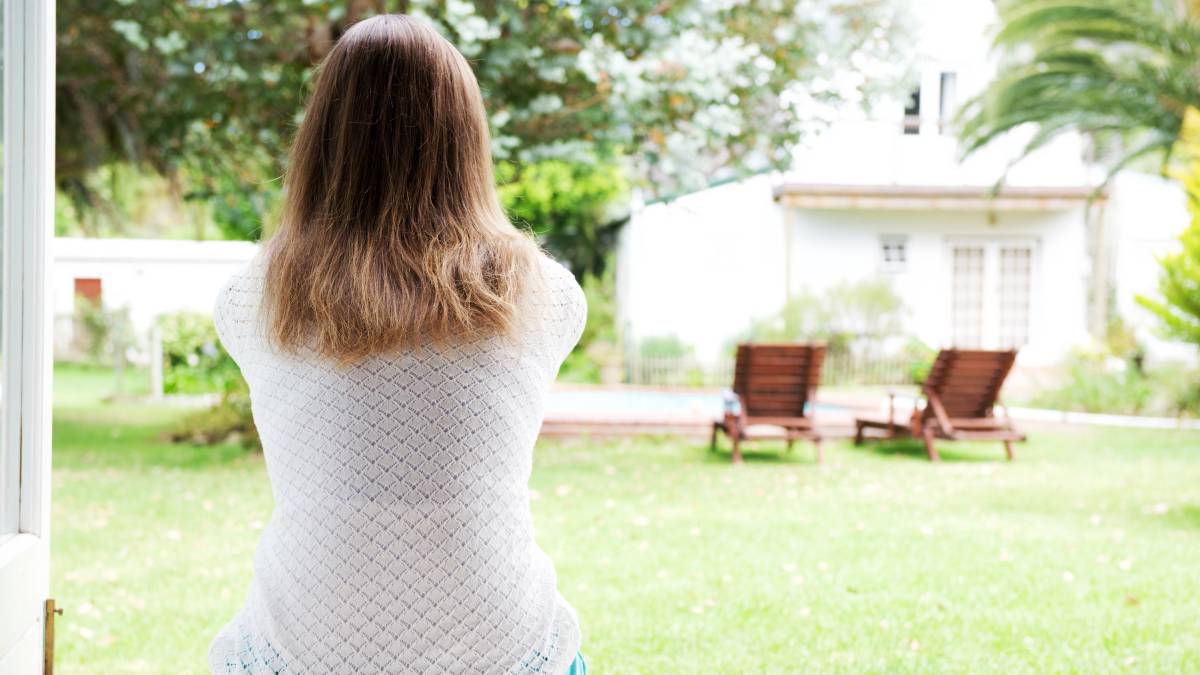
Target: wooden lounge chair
774	385
961	394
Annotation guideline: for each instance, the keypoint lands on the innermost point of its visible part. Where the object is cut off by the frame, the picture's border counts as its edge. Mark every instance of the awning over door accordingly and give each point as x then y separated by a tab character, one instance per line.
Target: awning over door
934	197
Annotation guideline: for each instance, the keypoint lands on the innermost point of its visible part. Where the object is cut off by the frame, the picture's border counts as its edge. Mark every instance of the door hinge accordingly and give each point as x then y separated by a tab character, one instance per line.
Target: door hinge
48	641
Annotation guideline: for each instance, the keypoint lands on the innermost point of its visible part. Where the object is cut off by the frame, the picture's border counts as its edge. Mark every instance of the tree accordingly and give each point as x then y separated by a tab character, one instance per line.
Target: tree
1123	70
1179	284
206	93
1178	310
576	208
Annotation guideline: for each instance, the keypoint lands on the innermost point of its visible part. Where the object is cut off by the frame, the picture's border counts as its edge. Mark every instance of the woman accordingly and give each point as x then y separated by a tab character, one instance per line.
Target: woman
398	336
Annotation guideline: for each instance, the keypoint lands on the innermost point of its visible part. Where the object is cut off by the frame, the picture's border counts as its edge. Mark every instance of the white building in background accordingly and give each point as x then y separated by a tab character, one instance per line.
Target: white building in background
1031	268
148	277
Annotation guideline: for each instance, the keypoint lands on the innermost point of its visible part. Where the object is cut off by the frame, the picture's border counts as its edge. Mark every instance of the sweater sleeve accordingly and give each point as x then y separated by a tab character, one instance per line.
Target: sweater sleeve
236	308
565	310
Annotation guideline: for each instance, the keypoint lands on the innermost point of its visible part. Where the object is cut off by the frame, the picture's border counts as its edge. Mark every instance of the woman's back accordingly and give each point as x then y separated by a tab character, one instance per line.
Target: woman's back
401	540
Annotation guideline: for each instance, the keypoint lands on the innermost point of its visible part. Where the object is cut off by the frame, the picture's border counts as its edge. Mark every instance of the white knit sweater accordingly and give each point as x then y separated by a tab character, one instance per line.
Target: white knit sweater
402	540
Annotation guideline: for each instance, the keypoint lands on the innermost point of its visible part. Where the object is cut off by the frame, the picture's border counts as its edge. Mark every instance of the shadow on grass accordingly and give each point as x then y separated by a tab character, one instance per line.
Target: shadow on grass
914	449
763	453
1188	516
114	437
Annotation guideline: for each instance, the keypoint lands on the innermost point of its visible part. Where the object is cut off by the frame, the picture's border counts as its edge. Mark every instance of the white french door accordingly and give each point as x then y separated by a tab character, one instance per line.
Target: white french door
26	213
991	292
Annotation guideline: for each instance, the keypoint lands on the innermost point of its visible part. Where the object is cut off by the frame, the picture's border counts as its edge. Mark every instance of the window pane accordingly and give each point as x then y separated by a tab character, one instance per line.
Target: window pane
1015	281
967	297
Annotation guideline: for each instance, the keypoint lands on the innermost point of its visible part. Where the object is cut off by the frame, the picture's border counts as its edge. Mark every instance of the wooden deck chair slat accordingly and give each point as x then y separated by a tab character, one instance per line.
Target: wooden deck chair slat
775	384
961	393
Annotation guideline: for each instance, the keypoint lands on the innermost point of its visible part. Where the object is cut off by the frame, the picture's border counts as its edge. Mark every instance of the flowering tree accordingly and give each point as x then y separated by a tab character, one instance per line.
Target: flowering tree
206	93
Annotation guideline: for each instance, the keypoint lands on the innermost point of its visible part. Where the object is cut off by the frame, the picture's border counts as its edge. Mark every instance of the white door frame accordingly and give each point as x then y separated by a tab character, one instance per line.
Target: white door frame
991	244
28	212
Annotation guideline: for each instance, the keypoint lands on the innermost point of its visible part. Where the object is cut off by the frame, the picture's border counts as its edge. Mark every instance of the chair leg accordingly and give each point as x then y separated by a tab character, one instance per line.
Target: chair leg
927	434
1008	450
712	442
790	441
858	433
820	450
737	448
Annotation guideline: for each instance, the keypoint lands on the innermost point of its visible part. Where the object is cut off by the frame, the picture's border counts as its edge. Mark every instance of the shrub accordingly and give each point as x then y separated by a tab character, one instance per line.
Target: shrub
663	347
598	351
846	312
920	358
100	332
193	359
229	419
1096	382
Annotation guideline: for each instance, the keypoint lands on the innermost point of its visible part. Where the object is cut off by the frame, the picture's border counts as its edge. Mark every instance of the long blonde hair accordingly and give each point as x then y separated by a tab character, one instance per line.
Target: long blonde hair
391	232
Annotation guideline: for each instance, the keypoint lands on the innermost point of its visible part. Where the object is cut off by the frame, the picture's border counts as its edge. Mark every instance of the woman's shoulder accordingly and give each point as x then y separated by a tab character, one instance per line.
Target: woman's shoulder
562	306
554	272
556	284
237	305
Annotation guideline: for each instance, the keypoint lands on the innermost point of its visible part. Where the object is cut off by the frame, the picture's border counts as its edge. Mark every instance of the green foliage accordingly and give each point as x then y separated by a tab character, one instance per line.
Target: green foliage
1118	69
920	358
663	347
230	419
1178	310
206	94
846	312
576	208
597	356
1121	341
241	209
971	544
101	332
193	359
1099	383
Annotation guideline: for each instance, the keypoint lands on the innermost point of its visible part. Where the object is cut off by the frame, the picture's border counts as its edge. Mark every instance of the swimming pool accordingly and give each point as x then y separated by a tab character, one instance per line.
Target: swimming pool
584	401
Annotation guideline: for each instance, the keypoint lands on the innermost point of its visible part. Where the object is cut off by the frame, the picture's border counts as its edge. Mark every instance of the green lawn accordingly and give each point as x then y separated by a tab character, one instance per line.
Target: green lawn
1080	557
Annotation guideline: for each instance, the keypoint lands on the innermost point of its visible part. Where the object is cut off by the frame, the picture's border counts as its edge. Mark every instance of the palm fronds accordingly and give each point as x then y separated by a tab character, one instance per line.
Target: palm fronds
1124	68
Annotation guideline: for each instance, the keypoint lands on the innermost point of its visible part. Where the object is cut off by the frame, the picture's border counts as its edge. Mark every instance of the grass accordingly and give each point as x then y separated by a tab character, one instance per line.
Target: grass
1080	557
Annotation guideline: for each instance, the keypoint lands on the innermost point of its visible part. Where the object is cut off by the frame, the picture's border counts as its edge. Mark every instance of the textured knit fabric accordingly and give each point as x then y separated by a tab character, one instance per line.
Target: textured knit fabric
402	539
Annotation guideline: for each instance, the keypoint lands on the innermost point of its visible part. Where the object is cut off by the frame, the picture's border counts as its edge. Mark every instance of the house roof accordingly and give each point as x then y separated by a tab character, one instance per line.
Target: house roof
935	197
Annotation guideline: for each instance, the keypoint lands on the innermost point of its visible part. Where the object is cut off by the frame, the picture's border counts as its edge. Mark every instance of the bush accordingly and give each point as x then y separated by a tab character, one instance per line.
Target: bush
228	420
920	358
846	312
1096	382
663	347
193	359
598	352
101	333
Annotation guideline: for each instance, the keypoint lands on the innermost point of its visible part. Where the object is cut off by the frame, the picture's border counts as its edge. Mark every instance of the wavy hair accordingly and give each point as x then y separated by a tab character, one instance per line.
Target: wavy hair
391	233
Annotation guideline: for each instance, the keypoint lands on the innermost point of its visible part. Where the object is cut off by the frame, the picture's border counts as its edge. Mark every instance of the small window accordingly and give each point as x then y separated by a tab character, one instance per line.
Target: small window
949	100
912	113
893	253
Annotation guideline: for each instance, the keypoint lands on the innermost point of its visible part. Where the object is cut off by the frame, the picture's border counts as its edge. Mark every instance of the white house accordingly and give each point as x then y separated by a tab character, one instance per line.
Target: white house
1032	267
148	277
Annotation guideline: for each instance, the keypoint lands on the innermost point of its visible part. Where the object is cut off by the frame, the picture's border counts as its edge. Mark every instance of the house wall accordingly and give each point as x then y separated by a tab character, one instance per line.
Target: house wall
701	267
832	246
704	267
1146	215
149	277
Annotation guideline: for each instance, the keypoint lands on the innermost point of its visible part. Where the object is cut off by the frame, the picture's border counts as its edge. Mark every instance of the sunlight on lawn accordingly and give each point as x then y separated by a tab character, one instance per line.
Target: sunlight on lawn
1079	557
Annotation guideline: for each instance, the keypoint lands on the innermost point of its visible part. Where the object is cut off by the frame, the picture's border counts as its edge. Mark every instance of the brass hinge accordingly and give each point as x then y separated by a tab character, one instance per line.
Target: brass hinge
48	641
